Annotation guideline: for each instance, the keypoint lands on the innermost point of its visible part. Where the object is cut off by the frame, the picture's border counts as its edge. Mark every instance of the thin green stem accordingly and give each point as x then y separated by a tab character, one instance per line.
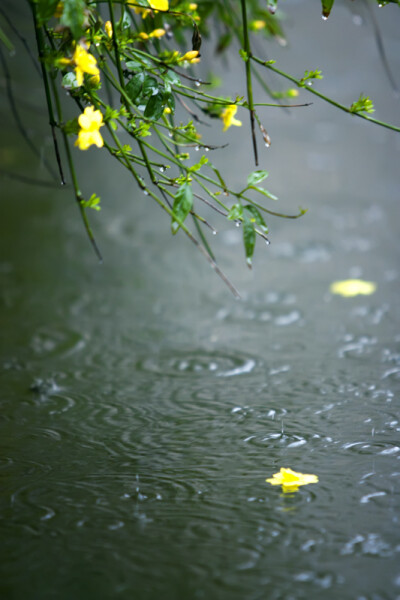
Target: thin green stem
246	47
346	109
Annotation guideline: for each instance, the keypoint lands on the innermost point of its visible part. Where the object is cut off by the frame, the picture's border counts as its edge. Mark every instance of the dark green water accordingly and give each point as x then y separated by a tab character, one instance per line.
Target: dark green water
142	408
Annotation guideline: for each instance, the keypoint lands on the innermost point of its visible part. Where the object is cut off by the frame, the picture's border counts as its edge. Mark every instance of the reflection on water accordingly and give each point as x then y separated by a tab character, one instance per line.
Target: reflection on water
143	408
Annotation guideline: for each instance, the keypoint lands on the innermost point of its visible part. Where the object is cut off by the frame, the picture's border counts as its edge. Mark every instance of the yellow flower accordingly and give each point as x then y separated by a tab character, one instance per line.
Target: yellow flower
108	28
167	110
192	57
159	4
90	122
84	63
290	480
192	6
157	33
143	35
228	117
353	287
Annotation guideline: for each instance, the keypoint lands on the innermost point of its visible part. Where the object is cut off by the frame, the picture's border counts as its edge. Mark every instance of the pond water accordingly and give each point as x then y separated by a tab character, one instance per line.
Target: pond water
143	407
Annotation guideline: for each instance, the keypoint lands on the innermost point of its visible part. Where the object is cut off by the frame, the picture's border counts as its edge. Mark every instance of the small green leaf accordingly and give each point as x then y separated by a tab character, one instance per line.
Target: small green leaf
272	5
136	65
45	9
73	17
197	166
257	217
235	213
243	55
155	107
69	82
71	127
363	104
326	7
263	192
135	85
249	239
256	177
183	204
93	202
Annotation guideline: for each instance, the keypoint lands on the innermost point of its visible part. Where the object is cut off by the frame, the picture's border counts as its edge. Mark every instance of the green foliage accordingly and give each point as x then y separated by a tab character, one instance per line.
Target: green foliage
363	104
310	75
74	16
128	68
183	204
93	202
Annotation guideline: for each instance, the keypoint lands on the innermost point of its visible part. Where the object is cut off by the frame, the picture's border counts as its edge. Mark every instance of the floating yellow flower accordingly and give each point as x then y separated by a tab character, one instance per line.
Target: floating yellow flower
159	4
228	117
353	287
290	480
108	28
84	63
90	122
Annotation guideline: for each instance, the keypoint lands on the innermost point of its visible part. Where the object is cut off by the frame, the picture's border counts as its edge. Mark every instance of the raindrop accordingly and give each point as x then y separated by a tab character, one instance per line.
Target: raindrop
267	242
237	223
214	232
324	18
162	169
145	192
267	144
197	148
197	83
206	148
170	134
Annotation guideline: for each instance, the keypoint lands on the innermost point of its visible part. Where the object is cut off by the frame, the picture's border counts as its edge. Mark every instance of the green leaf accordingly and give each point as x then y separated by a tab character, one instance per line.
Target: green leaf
197	166
272	5
136	65
73	17
256	177
183	204
155	107
69	81
45	9
249	239
135	85
363	104
235	213
71	127
256	217
171	79
326	7
263	191
150	86
93	202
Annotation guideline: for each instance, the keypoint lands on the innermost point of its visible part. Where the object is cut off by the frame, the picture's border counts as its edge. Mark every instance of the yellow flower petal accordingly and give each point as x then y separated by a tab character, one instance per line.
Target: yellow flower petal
157	33
108	28
228	117
290	480
353	287
84	63
159	4
90	122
